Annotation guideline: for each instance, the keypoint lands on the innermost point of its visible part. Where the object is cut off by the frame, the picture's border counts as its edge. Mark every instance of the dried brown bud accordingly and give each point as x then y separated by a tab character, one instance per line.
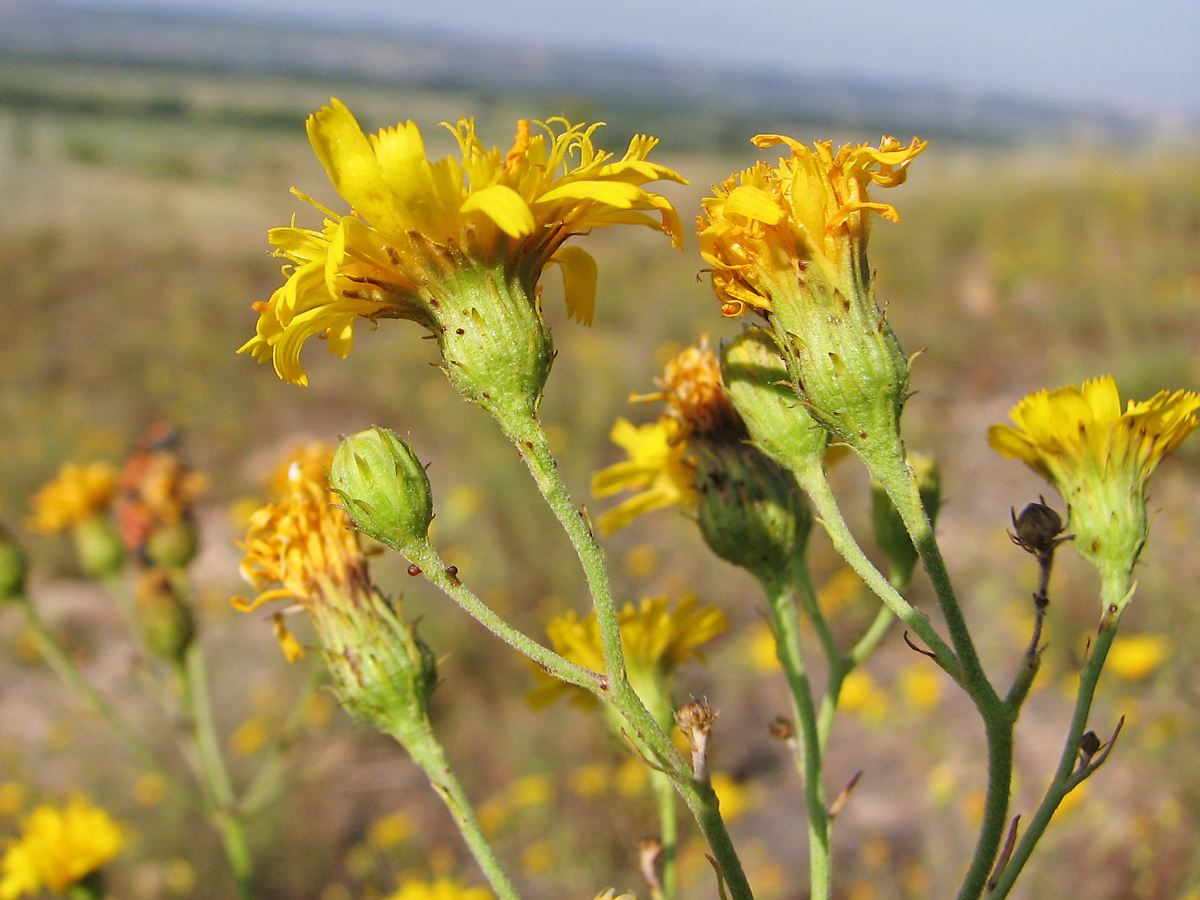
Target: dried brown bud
695	719
1039	529
1088	745
649	852
782	729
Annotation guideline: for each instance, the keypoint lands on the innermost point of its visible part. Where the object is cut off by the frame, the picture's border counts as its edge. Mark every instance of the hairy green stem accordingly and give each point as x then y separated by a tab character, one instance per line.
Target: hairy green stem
815	483
1114	593
523	429
785	621
427	752
668	826
202	734
435	570
888	467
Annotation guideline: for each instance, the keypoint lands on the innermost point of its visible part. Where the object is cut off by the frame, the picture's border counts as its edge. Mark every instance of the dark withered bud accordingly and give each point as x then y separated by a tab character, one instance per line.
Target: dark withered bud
1089	744
1038	529
782	729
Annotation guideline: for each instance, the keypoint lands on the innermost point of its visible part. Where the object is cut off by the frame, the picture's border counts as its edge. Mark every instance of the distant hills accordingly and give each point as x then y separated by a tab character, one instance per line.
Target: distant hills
740	100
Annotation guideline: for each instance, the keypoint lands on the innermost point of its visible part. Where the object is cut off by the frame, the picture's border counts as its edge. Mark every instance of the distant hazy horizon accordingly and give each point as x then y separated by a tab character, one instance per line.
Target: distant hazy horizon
1097	52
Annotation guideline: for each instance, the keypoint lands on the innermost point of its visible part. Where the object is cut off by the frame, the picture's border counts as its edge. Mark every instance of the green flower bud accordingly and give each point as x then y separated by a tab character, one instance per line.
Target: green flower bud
757	383
164	617
14	566
98	546
384	488
890	533
752	512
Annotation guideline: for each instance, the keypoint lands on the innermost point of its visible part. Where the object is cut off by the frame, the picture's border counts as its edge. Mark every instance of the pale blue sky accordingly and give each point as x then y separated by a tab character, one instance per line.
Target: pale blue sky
1131	54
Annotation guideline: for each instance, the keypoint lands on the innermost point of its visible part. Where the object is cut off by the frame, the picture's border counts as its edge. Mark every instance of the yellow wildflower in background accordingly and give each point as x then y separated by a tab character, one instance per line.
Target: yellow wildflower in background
921	686
657	469
1099	457
414	222
1138	655
57	848
390	830
439	889
861	695
656	638
78	493
694	391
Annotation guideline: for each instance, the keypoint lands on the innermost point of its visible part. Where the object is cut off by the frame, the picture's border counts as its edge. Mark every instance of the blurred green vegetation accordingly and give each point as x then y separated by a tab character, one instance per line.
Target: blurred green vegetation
133	244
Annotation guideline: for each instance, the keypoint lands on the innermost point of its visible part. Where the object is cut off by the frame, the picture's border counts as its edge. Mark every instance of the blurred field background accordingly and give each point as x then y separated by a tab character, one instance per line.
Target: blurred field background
137	198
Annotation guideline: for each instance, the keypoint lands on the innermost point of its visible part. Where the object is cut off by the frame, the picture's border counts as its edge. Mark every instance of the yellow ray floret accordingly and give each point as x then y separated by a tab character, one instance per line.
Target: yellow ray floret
657	639
413	220
767	224
657	468
1068	431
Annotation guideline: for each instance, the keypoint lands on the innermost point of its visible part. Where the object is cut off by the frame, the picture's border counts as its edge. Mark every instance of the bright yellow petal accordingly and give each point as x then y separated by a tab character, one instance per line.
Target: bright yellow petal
754	203
351	164
579	274
505	207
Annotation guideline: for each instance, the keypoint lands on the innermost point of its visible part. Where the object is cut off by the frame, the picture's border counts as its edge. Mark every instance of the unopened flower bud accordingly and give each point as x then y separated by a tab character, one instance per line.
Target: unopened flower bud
890	533
757	382
752	512
165	618
384	488
14	566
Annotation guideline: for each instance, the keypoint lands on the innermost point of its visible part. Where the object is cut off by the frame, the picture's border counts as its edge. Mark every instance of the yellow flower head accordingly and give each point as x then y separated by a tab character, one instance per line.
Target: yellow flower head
694	391
767	225
1138	656
78	493
57	848
659	465
790	242
304	543
656	638
1099	457
414	224
439	889
657	468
